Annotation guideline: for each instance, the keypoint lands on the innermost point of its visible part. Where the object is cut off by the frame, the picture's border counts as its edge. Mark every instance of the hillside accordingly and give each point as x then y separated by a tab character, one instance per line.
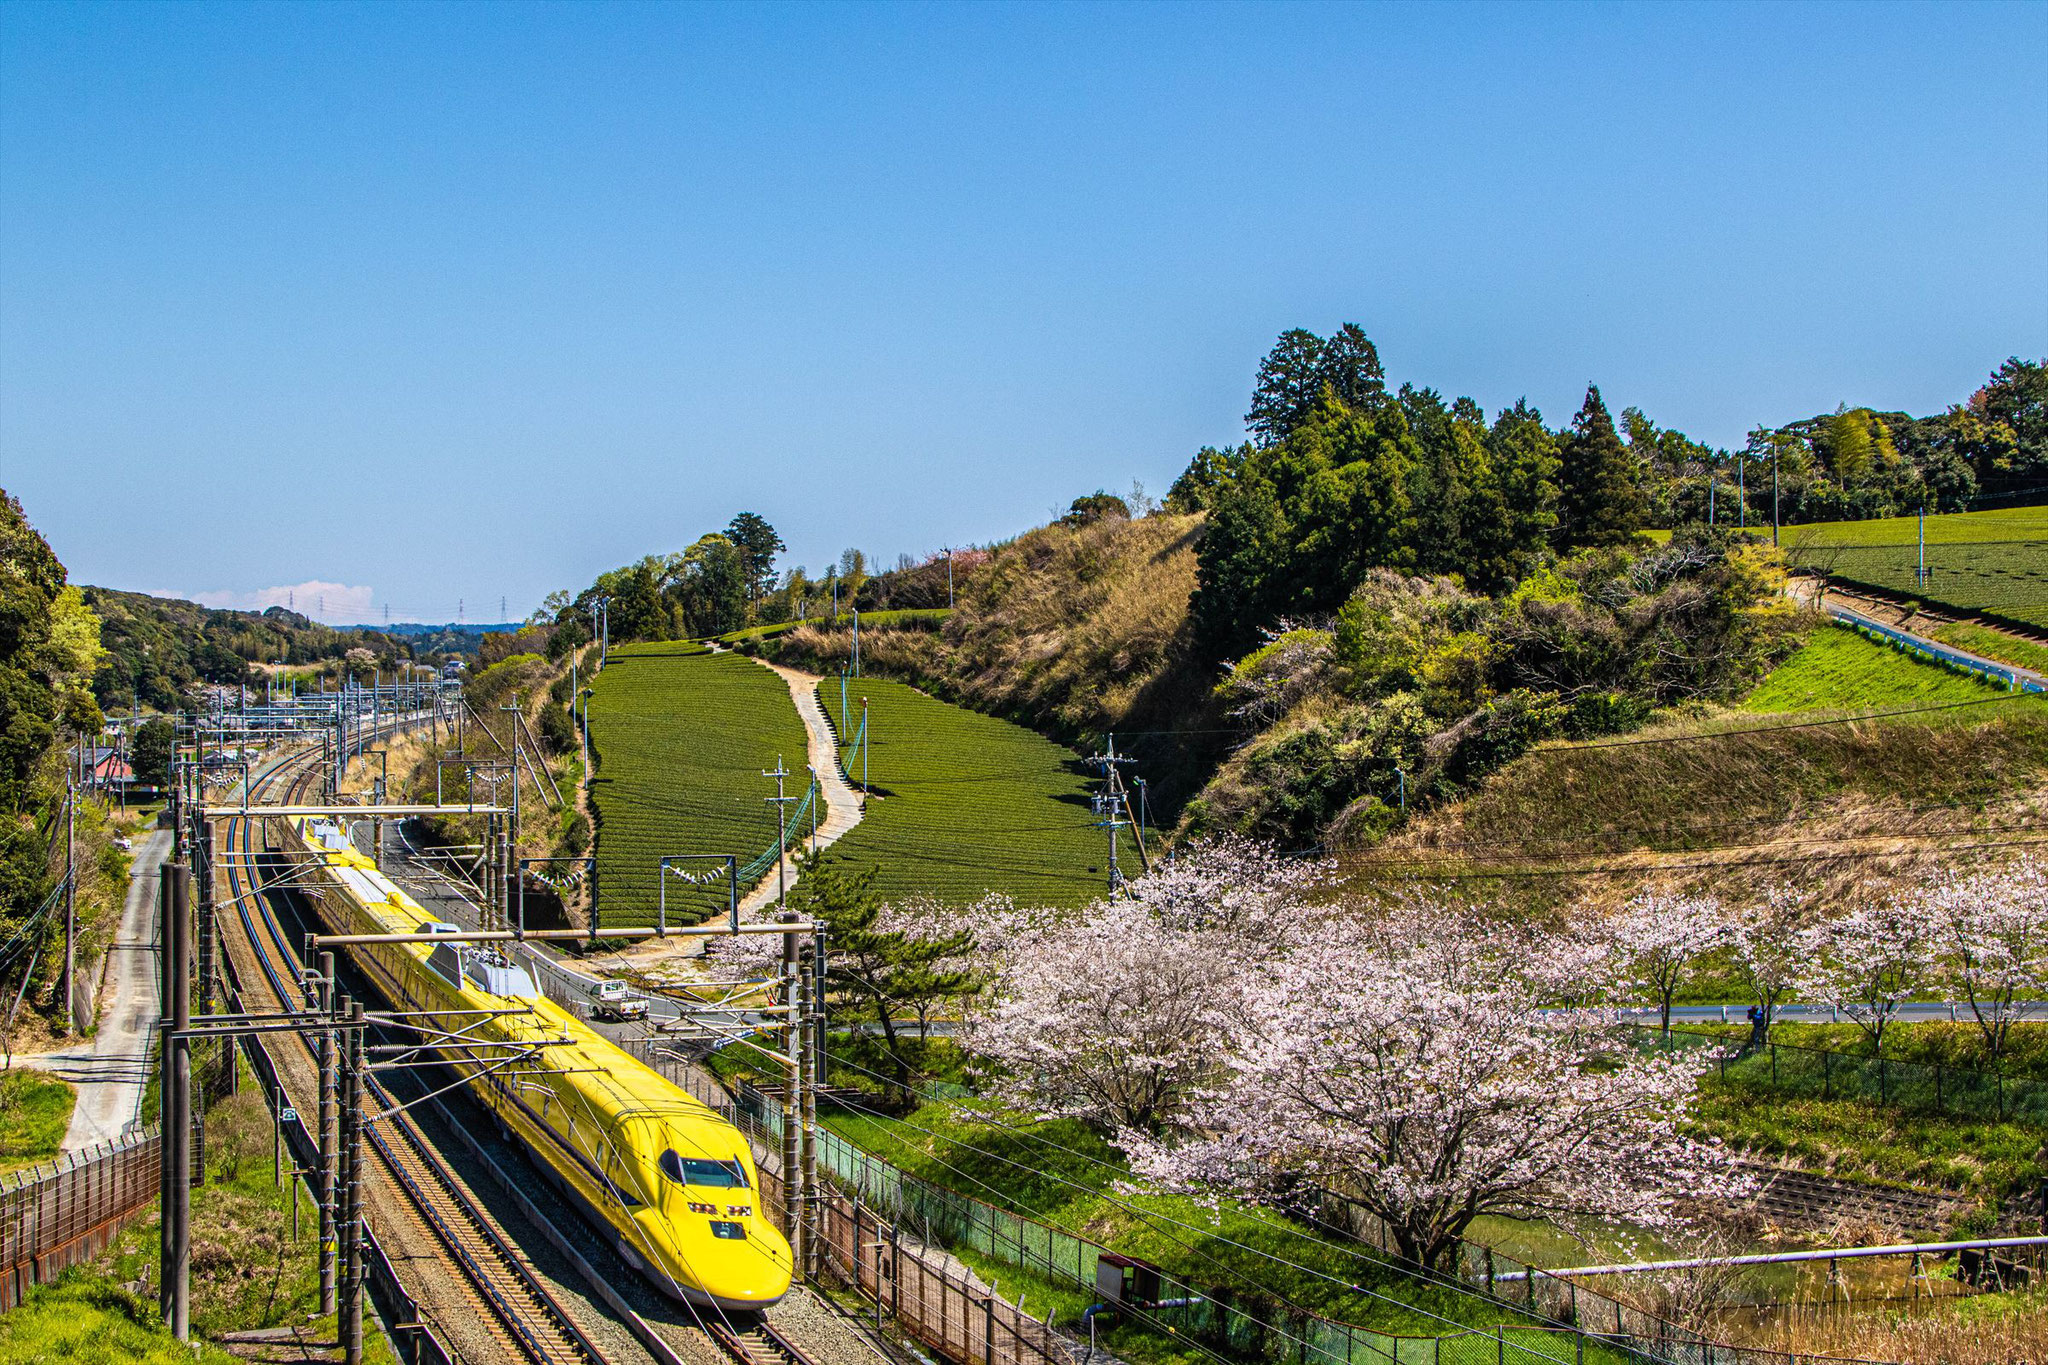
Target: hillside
680	738
1994	563
963	804
1810	779
1076	631
157	647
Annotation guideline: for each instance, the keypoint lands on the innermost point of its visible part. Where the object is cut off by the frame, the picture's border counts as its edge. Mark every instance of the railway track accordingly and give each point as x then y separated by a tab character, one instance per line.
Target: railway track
483	1278
497	1291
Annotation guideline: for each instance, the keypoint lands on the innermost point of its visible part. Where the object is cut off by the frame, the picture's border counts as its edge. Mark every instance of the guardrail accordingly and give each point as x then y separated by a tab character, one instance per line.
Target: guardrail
1934	650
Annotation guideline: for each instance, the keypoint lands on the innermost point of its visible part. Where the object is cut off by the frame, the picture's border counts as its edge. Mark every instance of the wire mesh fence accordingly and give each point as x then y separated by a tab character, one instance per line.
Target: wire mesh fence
65	1212
1820	1073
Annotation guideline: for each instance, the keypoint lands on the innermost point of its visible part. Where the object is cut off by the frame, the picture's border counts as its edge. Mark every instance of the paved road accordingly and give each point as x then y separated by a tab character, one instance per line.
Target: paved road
111	1069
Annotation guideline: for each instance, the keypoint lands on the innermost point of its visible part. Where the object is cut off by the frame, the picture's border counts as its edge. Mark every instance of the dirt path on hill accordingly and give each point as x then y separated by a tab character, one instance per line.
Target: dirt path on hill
842	813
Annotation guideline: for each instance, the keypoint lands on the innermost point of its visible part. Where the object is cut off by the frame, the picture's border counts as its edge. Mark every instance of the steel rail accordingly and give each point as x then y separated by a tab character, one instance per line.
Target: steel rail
515	1324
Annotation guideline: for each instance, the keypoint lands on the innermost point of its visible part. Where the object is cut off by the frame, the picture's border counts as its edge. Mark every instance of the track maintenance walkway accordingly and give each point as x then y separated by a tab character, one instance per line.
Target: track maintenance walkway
111	1068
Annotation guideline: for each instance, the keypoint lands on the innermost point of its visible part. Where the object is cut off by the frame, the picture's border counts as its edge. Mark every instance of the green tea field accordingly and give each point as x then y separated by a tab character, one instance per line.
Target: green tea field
681	736
1993	562
964	803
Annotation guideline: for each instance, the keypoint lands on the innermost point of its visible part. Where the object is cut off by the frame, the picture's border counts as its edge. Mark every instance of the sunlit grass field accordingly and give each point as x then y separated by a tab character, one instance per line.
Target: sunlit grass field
681	737
965	804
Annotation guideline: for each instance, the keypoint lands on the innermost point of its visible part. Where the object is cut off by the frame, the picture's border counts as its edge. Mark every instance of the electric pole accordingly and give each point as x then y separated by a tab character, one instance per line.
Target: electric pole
781	804
70	902
1113	803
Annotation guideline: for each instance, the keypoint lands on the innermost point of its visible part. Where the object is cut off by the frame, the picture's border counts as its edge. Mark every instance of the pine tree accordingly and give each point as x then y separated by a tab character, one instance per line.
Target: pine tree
1602	500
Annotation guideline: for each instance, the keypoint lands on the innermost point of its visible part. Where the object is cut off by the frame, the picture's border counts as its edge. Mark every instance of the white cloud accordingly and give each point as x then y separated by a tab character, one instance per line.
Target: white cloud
335	603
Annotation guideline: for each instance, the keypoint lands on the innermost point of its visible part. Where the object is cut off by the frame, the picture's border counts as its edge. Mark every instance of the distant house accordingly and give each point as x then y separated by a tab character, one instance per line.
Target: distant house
108	770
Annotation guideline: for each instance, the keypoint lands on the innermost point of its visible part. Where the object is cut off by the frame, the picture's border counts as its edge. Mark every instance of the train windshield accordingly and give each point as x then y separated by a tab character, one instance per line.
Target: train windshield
715	1175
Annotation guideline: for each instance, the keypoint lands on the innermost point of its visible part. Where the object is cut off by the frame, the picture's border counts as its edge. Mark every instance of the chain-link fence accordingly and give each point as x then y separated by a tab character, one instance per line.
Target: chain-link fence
1553	1319
1819	1073
65	1212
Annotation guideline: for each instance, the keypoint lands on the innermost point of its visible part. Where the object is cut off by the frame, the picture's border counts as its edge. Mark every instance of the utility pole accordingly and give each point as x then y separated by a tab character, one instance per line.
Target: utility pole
1920	569
1742	490
781	804
811	798
70	903
175	1225
1112	800
856	642
949	578
584	735
1774	493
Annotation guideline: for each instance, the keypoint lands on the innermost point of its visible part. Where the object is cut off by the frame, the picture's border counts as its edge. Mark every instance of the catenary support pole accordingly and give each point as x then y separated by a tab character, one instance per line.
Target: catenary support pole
349	1322
792	1101
323	1190
176	1127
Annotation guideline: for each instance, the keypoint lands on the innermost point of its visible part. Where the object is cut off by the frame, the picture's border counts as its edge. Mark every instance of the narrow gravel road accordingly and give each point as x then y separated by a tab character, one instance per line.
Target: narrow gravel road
111	1068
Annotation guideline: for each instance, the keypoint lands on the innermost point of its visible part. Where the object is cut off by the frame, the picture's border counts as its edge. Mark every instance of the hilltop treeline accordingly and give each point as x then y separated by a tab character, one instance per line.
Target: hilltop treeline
158	647
1343	474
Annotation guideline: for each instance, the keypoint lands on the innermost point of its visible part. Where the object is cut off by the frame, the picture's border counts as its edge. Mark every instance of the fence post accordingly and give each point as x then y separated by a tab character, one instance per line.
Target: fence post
988	1327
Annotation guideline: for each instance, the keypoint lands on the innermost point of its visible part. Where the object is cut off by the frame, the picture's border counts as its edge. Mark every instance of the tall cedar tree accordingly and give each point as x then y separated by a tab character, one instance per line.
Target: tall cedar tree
1602	500
758	545
1300	368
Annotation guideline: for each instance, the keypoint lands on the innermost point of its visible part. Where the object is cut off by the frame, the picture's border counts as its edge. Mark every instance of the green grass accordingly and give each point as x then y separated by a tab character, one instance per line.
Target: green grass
1061	1174
1839	669
88	1320
35	1110
1935	1043
1859	1139
681	737
1992	562
963	804
906	616
1947	528
1992	644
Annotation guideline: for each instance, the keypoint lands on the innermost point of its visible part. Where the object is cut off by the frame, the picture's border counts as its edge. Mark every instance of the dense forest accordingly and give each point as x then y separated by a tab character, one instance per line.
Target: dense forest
49	650
158	647
1342	474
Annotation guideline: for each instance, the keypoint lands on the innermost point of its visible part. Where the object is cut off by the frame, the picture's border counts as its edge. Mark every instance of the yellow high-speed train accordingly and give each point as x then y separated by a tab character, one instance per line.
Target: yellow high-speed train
670	1183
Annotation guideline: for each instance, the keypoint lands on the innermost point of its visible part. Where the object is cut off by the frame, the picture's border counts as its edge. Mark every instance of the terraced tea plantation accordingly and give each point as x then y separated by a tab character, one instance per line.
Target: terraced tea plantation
1994	562
681	736
965	804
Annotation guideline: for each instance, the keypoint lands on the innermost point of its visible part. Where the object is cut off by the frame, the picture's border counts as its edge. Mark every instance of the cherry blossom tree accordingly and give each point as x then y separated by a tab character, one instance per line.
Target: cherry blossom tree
1869	961
1408	1064
1658	935
1991	926
1769	952
1115	1014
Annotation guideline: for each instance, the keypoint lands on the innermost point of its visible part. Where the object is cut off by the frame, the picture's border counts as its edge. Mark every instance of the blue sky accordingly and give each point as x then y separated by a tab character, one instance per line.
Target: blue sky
464	301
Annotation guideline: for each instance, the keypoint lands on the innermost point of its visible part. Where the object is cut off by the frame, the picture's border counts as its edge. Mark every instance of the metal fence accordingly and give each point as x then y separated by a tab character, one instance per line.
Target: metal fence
2011	679
63	1214
1821	1073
